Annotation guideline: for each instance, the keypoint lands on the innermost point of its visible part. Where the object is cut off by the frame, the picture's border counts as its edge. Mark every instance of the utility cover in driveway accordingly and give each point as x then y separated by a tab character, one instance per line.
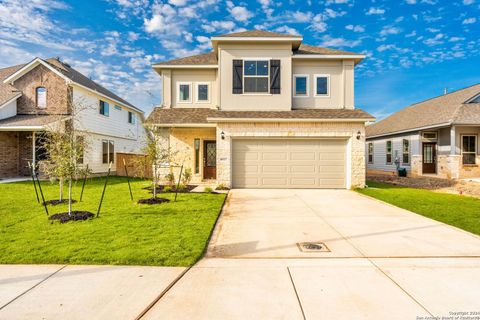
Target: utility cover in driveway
289	163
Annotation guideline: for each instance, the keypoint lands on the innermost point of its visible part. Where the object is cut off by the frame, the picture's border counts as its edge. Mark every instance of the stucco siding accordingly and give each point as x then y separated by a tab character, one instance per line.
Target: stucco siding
193	77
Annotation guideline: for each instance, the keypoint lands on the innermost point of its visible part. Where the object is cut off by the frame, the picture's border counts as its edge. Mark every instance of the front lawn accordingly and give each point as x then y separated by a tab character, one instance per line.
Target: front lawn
459	211
126	233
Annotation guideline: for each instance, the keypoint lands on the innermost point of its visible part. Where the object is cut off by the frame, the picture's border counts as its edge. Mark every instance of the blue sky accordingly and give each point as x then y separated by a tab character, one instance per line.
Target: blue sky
414	48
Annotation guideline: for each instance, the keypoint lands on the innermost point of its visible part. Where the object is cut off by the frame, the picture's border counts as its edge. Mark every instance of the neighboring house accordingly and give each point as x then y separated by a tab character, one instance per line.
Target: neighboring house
263	110
37	95
436	137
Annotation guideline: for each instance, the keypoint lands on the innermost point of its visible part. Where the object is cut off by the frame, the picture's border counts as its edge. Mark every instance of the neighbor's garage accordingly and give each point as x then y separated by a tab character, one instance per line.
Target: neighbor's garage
289	163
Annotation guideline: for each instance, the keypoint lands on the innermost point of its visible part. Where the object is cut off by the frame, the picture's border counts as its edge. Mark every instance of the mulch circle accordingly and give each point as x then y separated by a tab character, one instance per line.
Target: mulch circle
57	202
153	201
75	216
160	188
222	188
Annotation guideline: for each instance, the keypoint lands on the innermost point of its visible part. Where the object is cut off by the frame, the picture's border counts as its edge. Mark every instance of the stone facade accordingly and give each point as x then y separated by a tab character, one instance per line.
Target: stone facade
8	154
57	92
348	130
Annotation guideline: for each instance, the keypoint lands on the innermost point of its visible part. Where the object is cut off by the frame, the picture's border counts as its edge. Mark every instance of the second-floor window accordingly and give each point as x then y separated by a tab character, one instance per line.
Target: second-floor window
203	94
41	97
131	117
388	152
104	108
322	85
255	76
300	85
184	92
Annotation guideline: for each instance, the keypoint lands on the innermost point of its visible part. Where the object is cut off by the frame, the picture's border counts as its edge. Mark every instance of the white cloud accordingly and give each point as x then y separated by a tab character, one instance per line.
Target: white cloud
435	40
240	13
328	41
373	10
178	3
411	1
456	39
287	29
390	30
218	26
469	21
356	28
468	2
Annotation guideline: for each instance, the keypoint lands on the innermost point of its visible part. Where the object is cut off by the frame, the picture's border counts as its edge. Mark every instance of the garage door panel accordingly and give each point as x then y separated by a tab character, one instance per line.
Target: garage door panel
288	163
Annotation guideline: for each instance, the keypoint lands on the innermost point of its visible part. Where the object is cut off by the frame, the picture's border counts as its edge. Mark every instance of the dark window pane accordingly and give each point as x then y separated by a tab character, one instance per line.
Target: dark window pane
301	86
469	143
370	158
468	158
262	68
389	158
322	85
184	92
250	68
405	158
256	85
203	92
197	155
104	151
111	151
211	155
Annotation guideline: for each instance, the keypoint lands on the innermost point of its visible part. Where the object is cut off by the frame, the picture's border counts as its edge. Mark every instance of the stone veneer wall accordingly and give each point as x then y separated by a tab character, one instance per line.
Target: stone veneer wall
57	92
290	130
8	154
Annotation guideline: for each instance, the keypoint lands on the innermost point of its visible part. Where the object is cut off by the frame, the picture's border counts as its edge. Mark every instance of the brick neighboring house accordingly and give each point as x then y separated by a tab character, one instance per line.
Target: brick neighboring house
436	137
37	95
263	110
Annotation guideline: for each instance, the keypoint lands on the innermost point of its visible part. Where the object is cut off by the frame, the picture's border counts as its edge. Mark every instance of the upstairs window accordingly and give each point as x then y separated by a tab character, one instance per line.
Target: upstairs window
388	152
131	117
184	92
370	152
255	76
203	94
469	149
405	151
300	85
104	108
41	97
322	85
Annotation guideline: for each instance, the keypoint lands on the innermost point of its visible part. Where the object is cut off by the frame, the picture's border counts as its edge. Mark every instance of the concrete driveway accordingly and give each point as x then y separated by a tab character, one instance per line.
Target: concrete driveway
382	263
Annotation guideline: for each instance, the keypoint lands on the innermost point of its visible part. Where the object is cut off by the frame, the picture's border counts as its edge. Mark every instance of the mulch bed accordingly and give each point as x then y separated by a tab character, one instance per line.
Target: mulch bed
153	201
160	188
75	216
222	188
428	183
57	202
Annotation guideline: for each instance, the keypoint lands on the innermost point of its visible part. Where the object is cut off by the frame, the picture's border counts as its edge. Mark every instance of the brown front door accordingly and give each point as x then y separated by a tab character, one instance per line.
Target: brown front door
210	160
429	159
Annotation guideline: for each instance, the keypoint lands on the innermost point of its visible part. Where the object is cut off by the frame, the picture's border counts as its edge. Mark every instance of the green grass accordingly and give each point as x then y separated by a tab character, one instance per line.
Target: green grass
126	233
459	211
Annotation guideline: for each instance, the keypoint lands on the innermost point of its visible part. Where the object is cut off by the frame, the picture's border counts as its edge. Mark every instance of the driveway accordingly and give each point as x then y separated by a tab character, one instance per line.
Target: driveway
382	263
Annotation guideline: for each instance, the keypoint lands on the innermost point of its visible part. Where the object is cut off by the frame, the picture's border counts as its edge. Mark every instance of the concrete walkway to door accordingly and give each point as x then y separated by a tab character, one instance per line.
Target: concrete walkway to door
383	262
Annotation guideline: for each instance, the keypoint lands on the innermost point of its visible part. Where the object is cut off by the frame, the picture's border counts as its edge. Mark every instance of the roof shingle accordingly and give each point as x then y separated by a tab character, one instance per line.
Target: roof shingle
7	91
25	120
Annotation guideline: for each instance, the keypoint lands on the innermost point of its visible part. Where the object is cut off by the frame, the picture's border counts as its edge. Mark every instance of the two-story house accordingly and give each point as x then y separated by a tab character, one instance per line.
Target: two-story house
37	96
263	110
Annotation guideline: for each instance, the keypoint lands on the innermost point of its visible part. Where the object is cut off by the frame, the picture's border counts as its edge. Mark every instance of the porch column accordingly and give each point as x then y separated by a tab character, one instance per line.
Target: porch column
453	149
33	149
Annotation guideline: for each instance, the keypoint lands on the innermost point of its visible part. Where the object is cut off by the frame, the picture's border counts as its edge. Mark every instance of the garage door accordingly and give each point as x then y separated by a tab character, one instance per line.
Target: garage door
289	163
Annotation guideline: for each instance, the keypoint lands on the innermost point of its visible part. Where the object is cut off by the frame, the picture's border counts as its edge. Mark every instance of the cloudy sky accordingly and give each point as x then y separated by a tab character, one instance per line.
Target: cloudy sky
414	48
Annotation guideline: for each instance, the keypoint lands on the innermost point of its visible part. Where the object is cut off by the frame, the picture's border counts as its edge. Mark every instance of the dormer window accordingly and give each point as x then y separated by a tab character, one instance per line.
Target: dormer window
104	108
41	97
256	75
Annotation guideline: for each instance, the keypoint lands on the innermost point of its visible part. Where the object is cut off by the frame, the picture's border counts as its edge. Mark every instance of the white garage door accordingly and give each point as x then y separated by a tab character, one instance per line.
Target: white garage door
289	163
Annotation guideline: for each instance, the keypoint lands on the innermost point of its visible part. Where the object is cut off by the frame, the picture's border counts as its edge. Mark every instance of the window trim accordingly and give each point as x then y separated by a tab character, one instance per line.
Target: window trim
300	75
469	152
100	110
315	77
370	153
108	151
267	93
406	153
388	153
197	100
36	97
179	83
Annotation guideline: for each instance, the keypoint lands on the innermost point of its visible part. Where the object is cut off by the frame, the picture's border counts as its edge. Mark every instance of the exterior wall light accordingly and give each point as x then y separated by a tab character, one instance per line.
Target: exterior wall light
222	135
359	135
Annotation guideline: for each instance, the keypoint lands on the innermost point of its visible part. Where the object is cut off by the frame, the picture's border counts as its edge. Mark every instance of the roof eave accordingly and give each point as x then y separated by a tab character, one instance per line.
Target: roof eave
356	57
215	119
10	100
185	66
29	66
440	125
183	125
23	128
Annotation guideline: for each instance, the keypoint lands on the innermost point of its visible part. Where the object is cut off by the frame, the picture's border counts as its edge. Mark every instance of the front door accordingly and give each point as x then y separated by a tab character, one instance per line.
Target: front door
429	162
210	160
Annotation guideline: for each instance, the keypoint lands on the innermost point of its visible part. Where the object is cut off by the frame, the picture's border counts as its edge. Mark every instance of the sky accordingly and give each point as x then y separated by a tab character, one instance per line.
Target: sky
414	48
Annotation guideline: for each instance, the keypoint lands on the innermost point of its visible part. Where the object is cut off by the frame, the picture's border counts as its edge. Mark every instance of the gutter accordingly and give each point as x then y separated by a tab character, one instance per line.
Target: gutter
14	98
288	120
440	125
23	128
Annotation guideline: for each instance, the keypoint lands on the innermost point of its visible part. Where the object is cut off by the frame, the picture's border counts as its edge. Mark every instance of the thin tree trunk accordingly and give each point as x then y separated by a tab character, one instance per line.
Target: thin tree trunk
61	189
154	181
70	196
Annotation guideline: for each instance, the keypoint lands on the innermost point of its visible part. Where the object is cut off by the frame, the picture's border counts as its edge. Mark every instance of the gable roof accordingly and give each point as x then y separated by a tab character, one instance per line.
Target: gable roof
209	58
257	34
306	49
67	72
447	109
7	91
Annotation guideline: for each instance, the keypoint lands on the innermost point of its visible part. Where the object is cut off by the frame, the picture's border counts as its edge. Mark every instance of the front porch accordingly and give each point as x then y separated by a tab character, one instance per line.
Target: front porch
17	149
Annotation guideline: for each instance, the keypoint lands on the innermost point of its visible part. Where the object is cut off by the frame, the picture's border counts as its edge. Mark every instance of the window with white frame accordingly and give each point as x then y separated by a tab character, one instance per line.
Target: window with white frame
203	92
41	96
108	151
131	117
103	108
184	92
370	152
322	85
405	151
388	152
256	76
300	85
469	149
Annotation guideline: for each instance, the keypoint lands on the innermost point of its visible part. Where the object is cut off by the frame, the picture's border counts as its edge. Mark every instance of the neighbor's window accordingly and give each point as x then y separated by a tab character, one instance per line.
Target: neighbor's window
300	85
405	151
108	151
184	92
255	76
197	155
41	96
322	85
104	108
202	92
370	152
469	149
131	117
80	149
389	152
